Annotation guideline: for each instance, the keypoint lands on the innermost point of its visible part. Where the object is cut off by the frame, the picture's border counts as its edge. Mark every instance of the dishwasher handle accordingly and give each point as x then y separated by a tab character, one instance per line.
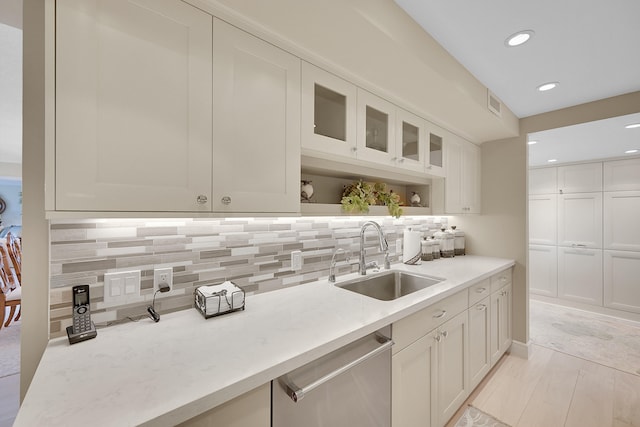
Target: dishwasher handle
297	393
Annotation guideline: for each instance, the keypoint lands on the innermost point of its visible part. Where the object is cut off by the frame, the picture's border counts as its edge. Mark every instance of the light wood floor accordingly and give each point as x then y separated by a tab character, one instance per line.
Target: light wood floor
553	389
9	399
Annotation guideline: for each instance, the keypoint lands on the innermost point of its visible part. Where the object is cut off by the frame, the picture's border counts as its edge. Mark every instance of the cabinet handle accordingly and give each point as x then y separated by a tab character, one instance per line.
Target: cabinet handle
354	149
481	290
441	315
438	338
201	199
503	293
578	245
226	200
481	307
445	334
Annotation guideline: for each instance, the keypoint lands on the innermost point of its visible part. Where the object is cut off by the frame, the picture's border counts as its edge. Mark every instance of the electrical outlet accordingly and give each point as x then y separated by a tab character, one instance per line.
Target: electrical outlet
162	275
296	260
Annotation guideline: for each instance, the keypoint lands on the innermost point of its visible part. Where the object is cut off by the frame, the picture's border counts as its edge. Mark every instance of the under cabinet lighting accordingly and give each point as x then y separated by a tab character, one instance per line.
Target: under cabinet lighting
532	142
632	126
518	38
552	160
547	86
630	151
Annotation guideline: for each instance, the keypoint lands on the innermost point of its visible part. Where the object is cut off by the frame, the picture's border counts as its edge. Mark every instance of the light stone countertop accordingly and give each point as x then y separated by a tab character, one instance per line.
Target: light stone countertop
161	374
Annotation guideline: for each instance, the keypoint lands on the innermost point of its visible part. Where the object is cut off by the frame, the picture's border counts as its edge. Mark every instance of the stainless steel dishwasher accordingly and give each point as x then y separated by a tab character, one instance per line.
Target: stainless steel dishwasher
350	387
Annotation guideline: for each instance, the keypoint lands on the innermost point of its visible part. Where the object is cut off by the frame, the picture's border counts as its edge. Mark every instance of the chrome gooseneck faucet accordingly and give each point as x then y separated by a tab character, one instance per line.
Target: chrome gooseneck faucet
384	247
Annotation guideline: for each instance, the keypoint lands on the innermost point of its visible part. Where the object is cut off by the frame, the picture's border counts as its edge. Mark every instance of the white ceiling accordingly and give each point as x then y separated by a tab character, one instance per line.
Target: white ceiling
589	46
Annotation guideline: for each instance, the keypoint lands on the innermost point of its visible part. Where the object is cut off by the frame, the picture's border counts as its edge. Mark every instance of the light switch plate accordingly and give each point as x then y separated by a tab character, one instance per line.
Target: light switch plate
296	260
121	287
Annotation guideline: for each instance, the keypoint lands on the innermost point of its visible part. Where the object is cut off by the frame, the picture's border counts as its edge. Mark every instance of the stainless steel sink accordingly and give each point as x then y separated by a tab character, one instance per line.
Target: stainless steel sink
389	285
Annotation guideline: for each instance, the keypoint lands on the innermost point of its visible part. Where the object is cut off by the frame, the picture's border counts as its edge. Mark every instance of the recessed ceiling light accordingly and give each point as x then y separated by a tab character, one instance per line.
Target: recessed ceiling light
630	151
547	86
532	142
552	160
518	38
632	126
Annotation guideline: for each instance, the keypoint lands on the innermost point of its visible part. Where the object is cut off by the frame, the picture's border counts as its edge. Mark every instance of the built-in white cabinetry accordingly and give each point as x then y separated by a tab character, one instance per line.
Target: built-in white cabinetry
479	340
580	178
580	275
133	106
621	220
621	273
443	351
411	142
543	270
250	409
543	181
256	127
328	112
376	127
580	220
413	384
462	183
622	175
434	153
542	219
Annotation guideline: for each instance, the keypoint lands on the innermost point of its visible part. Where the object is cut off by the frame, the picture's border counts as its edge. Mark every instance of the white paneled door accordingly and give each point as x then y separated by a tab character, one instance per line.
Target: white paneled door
622	280
580	220
542	219
622	220
543	270
580	275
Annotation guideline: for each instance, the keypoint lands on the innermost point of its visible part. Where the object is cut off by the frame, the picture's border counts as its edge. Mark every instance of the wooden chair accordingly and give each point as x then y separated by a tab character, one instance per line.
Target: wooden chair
14	247
8	297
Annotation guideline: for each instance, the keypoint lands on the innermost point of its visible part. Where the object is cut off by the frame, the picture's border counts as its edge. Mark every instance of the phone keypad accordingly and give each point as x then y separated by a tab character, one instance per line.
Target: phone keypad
81	320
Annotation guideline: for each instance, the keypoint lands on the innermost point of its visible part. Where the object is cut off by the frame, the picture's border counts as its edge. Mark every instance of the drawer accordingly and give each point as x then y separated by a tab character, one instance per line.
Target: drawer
479	291
498	281
411	328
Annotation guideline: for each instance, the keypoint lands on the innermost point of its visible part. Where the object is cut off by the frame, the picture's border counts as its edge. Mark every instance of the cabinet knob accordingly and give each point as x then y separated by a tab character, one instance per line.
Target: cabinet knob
481	307
440	315
226	200
202	199
445	334
354	149
481	290
438	338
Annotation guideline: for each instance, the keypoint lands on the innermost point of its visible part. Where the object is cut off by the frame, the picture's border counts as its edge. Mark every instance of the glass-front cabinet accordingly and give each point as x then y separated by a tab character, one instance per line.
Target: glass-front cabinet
376	129
328	112
434	159
410	141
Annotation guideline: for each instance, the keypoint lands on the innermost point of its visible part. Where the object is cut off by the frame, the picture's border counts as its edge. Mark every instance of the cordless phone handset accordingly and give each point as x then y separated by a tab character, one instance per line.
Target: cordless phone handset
82	327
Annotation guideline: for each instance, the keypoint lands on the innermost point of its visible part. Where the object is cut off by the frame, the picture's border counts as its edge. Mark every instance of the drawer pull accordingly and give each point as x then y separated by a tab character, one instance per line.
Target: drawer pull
441	315
481	290
481	307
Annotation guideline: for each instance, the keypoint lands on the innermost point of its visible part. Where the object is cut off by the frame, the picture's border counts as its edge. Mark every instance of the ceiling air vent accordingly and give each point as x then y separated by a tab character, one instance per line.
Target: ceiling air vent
494	104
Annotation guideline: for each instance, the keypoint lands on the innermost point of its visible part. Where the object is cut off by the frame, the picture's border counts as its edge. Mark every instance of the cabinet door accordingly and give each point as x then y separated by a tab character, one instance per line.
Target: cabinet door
621	225
543	219
256	124
453	181
580	178
434	153
328	112
500	311
580	220
453	379
133	106
543	181
471	178
376	129
621	272
410	141
622	175
543	270
479	341
580	275
413	383
462	183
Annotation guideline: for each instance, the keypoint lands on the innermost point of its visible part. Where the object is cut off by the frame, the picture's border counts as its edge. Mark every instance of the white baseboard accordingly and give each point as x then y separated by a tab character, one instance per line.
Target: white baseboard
520	350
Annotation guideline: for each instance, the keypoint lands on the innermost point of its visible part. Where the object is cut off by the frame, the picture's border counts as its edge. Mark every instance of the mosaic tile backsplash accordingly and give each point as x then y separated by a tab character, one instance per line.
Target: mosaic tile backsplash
254	253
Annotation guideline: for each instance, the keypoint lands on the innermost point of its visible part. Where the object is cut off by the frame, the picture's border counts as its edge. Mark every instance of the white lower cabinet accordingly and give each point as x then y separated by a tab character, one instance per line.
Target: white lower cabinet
412	384
500	309
252	409
621	272
580	275
452	372
479	341
543	270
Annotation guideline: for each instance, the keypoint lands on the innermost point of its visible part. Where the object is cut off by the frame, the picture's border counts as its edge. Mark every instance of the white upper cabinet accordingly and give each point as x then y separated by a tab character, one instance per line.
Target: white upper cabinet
410	141
434	153
376	125
328	112
256	128
621	225
543	181
580	275
580	220
621	272
542	219
543	270
621	175
582	178
462	183
133	106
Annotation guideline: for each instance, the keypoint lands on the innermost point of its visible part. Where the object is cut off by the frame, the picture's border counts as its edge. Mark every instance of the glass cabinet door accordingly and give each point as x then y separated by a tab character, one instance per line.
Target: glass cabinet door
328	112
435	148
410	141
376	128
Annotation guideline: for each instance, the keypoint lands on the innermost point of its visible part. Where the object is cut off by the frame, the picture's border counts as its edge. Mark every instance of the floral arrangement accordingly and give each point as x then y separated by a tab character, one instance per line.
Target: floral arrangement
359	195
